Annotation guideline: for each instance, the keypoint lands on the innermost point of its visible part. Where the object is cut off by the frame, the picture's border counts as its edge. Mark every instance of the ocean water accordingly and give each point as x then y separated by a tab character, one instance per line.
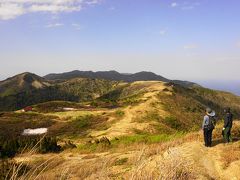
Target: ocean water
229	86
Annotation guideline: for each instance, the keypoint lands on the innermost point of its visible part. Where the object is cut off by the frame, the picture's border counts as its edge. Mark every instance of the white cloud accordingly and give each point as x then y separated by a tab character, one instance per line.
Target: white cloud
92	2
53	8
187	5
174	4
43	1
77	26
190	46
10	9
54	25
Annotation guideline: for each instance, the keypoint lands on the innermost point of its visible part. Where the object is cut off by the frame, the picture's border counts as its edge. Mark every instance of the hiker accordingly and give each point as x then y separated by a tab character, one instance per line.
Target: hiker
208	125
227	125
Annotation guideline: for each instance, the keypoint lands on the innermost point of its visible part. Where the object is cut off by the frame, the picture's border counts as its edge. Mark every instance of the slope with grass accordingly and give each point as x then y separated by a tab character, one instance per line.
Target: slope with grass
156	107
14	97
150	125
178	158
21	83
129	121
140	108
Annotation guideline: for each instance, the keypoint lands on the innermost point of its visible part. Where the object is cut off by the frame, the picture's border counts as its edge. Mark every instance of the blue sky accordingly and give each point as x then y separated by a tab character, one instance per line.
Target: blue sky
183	39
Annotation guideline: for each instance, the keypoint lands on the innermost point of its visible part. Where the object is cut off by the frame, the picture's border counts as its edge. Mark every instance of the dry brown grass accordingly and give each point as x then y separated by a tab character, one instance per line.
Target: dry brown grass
25	169
135	161
143	161
172	166
94	168
231	153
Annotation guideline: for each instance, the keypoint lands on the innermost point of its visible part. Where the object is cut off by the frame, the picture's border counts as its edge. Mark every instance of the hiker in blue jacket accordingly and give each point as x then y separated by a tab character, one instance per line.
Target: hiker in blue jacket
228	119
208	125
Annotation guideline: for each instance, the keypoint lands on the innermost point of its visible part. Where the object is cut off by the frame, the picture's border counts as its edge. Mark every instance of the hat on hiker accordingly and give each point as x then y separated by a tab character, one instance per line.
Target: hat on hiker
210	112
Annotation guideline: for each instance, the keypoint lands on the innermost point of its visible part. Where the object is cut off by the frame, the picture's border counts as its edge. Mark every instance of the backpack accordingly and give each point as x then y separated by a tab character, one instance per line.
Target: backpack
211	123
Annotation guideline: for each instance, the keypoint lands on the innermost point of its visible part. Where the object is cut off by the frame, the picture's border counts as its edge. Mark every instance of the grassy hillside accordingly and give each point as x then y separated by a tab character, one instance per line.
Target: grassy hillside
12	124
76	90
21	83
142	108
165	158
28	89
131	126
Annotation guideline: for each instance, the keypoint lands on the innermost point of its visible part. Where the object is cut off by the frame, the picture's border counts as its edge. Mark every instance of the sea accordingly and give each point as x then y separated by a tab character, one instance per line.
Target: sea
229	86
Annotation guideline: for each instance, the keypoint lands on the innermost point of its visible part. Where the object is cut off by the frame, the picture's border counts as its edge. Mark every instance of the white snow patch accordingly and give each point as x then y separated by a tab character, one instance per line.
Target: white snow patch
37	131
69	109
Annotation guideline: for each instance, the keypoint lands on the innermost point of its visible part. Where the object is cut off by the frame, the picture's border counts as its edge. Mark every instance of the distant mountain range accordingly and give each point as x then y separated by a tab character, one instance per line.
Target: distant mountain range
116	76
86	86
27	89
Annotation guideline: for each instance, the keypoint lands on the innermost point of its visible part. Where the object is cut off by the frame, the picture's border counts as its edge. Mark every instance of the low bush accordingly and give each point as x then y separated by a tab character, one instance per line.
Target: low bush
120	113
173	122
9	148
121	161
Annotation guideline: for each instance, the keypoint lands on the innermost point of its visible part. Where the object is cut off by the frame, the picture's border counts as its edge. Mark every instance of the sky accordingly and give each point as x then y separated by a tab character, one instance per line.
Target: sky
180	39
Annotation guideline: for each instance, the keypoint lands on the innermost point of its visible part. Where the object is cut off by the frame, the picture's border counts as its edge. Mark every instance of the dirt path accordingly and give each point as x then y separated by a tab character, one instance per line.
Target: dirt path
127	124
208	162
122	127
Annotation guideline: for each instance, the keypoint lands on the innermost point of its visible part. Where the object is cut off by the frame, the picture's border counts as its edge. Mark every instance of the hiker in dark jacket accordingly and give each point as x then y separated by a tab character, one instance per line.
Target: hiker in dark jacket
208	125
228	119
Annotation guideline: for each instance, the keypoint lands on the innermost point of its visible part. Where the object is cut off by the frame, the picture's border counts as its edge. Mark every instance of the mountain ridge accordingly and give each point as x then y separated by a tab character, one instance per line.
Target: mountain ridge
28	89
116	76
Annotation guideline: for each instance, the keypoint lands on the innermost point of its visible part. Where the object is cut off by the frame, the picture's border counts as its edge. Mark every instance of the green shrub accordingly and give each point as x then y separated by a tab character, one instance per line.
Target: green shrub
120	113
82	121
121	161
173	122
10	147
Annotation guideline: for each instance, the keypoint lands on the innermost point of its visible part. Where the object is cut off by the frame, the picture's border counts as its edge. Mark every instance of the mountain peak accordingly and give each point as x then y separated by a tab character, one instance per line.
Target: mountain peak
22	82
